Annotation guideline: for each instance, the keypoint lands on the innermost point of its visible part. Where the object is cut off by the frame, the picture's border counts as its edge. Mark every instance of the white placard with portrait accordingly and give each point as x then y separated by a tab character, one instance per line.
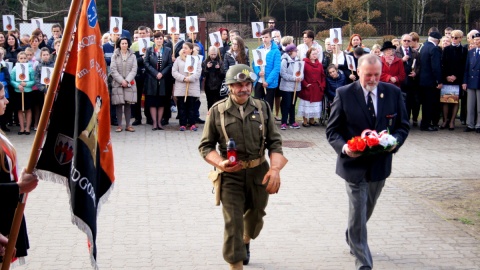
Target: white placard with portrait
192	24
215	39
143	45
21	72
10	66
298	67
116	25
336	35
46	76
260	57
350	62
173	25
200	58
182	36
8	22
37	24
191	64
160	20
257	28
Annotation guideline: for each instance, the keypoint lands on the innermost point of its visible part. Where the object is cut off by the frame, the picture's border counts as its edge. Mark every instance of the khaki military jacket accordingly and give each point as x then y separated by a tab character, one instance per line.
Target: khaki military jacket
247	133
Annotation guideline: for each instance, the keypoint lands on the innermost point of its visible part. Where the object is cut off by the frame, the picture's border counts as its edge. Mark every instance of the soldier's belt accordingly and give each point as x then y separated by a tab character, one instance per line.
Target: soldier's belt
252	163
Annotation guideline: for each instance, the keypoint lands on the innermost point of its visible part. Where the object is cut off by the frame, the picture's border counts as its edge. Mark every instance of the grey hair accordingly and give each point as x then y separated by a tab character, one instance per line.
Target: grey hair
371	59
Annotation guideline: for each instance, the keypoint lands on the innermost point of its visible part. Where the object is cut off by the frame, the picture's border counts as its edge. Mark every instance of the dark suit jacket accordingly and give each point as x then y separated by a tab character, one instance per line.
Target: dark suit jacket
407	66
431	68
152	88
349	117
453	63
472	70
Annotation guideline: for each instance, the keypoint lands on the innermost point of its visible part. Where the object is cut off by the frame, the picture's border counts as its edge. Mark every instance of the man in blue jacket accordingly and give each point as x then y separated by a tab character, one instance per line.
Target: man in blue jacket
471	84
269	74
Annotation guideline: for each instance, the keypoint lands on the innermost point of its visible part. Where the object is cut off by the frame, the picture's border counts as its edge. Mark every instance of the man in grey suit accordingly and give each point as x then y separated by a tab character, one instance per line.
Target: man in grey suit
365	176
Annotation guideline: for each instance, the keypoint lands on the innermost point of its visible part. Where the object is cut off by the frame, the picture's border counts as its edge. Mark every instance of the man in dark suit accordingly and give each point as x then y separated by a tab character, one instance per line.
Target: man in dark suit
471	84
409	86
430	82
365	176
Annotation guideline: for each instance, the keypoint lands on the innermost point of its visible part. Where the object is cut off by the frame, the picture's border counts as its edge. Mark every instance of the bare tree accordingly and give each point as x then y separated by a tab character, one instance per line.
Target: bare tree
264	8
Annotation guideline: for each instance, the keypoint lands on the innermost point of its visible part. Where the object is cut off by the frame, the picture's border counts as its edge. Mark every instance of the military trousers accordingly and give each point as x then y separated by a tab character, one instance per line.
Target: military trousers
244	200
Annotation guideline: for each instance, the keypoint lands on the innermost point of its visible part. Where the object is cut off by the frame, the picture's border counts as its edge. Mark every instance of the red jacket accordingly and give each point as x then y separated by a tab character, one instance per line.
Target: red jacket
396	70
313	74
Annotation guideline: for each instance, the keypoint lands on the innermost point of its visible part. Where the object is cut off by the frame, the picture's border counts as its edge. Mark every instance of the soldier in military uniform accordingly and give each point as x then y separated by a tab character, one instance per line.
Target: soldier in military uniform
245	187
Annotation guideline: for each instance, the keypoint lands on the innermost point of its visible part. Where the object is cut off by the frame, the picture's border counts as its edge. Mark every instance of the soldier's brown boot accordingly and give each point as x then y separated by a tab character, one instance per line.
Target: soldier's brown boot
236	266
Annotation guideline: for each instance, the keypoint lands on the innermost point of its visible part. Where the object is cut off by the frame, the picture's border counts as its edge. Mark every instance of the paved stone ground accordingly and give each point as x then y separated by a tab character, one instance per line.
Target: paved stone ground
161	213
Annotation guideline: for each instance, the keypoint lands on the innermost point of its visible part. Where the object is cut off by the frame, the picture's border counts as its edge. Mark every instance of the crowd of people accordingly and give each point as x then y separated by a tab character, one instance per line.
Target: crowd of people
156	80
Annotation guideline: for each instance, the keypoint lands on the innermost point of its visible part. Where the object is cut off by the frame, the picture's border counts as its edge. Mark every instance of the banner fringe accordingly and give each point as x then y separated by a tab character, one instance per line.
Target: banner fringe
58	179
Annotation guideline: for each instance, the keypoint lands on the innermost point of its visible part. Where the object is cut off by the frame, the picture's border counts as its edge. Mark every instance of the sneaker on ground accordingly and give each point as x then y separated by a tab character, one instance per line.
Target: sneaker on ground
193	128
294	125
283	126
182	128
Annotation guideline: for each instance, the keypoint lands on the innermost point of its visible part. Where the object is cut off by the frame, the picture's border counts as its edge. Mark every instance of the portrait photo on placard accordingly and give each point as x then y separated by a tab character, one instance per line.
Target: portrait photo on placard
298	68
192	24
46	75
160	21
259	57
143	45
173	25
116	24
21	70
8	22
336	35
215	39
257	28
191	64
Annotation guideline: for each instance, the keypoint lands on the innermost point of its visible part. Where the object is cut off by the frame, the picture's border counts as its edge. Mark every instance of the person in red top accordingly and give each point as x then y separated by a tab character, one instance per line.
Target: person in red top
392	66
313	87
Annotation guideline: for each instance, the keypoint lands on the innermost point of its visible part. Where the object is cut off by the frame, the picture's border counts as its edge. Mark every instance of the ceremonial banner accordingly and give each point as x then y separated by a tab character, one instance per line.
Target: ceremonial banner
77	148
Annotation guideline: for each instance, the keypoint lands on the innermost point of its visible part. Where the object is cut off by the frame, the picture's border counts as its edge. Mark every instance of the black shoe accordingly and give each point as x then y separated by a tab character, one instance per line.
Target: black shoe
21	132
199	121
247	260
477	130
467	129
429	129
114	123
137	123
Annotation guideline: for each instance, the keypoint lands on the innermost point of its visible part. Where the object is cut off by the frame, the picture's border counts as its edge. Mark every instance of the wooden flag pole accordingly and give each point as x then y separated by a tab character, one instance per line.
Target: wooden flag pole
37	142
262	69
294	92
23	100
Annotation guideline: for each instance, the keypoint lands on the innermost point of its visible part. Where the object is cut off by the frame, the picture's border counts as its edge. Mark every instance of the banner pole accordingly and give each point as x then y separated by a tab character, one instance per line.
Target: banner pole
57	71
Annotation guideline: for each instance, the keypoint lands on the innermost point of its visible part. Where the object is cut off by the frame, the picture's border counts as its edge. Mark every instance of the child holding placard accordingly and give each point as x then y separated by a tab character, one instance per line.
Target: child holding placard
23	86
289	85
38	95
187	88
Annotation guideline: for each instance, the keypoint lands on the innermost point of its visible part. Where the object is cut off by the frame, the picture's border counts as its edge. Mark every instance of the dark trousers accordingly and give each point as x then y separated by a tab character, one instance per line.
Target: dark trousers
268	97
244	200
362	199
463	105
288	109
186	110
430	97
167	112
212	96
412	101
137	107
